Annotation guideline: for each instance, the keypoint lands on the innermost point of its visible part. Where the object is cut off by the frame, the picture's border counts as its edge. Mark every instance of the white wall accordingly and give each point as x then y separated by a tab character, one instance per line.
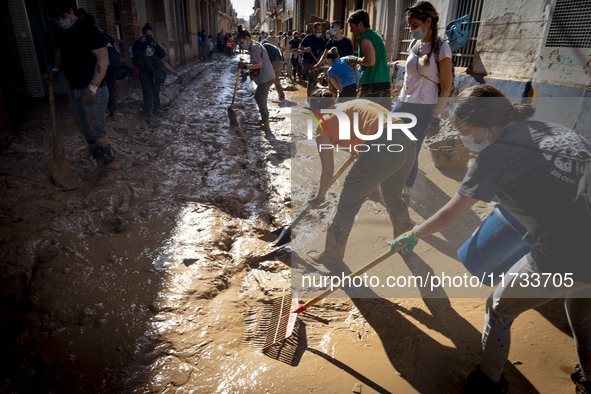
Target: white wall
510	37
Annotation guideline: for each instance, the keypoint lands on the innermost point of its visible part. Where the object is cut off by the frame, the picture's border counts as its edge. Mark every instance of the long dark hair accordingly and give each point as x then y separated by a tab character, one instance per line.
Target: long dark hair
486	106
333	53
424	10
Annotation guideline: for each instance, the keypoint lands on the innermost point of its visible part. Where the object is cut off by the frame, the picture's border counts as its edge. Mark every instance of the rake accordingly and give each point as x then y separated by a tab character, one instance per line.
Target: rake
282	325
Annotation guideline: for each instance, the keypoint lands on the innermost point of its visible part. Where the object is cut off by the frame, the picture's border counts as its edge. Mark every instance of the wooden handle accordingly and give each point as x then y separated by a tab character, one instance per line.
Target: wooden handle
355	74
53	119
236	87
359	272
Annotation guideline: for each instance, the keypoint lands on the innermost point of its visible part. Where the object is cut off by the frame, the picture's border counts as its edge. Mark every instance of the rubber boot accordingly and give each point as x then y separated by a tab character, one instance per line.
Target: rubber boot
267	129
401	224
95	152
332	257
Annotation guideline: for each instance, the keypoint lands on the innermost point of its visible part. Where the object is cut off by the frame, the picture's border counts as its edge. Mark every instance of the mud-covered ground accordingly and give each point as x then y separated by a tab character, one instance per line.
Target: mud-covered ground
151	283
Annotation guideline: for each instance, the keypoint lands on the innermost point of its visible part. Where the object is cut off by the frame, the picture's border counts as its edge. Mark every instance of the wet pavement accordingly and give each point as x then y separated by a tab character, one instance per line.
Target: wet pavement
148	283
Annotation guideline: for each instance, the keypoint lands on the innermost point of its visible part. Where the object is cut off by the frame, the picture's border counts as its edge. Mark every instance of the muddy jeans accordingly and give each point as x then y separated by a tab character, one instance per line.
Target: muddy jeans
278	67
424	114
90	118
374	90
388	170
508	302
260	96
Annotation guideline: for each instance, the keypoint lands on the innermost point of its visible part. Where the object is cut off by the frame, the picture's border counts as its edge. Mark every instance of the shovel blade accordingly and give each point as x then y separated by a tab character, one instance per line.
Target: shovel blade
232	116
62	173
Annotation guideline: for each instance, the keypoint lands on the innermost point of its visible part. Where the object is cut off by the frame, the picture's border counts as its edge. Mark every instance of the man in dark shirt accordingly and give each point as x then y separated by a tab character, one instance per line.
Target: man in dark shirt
294	52
277	62
343	44
312	45
148	55
82	56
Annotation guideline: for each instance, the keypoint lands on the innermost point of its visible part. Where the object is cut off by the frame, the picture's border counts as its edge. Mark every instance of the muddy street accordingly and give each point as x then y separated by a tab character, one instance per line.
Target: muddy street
152	282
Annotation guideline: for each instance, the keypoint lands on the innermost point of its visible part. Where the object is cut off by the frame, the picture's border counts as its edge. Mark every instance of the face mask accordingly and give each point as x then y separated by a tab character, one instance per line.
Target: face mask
328	36
333	32
318	35
245	45
418	33
65	24
469	143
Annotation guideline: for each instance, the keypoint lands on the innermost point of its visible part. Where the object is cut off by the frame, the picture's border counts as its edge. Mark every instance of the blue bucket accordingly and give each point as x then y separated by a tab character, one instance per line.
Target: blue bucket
498	243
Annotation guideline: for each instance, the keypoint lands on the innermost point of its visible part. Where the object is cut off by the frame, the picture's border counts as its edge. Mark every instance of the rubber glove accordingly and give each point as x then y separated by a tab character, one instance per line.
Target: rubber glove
409	238
433	127
352	61
89	95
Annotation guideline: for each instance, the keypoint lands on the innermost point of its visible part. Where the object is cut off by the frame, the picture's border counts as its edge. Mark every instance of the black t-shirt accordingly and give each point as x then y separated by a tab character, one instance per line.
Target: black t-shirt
344	46
539	190
316	44
294	44
76	45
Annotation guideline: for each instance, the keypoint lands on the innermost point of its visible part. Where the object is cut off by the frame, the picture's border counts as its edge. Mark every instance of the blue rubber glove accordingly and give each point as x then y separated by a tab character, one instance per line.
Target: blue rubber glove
409	238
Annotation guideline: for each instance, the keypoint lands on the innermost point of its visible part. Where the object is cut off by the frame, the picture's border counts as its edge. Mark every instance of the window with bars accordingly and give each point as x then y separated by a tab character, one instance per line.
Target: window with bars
570	26
465	55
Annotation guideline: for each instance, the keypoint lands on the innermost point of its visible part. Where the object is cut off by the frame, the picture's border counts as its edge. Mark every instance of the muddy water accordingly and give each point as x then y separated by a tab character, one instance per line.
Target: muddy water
146	284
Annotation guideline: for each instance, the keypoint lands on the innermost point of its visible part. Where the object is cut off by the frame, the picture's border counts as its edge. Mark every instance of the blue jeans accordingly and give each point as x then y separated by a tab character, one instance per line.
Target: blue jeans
424	114
90	118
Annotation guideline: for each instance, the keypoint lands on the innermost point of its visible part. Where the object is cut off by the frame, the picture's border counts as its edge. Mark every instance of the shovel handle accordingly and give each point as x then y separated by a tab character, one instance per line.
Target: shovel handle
355	74
53	119
359	272
236	87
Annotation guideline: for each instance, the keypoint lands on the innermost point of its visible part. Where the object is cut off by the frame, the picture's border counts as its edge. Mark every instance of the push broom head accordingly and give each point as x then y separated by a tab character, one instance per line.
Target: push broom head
281	338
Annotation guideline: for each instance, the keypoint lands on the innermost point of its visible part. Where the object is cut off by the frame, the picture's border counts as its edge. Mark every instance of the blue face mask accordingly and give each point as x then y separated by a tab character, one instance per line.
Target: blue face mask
318	35
418	33
469	143
333	32
65	24
245	45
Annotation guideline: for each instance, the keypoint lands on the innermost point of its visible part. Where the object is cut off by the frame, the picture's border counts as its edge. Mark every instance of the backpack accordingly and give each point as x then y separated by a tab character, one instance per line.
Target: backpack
112	50
457	32
583	196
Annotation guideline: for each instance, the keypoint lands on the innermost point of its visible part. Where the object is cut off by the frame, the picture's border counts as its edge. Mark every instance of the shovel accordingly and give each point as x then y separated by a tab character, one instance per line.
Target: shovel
284	234
169	68
60	168
355	74
231	114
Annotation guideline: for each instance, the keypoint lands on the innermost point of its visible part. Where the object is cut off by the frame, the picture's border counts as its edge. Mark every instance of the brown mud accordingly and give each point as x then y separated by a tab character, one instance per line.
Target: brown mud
148	283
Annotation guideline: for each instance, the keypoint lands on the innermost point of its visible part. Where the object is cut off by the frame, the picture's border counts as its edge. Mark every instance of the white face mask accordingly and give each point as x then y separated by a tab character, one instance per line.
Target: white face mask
418	33
469	143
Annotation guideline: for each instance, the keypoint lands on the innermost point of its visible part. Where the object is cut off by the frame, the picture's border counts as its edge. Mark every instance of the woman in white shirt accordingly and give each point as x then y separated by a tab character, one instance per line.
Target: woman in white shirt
428	78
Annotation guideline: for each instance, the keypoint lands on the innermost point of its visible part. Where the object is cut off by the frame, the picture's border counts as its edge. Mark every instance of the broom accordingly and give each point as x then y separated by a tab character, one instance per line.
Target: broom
281	335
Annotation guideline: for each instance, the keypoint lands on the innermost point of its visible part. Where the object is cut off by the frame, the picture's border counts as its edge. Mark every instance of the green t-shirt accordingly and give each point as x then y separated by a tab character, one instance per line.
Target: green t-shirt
379	72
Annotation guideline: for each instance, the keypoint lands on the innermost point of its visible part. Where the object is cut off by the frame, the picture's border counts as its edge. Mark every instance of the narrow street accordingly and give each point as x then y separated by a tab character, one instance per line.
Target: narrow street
149	283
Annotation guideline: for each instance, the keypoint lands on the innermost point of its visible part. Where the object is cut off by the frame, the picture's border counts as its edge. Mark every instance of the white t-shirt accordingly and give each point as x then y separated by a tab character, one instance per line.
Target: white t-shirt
417	88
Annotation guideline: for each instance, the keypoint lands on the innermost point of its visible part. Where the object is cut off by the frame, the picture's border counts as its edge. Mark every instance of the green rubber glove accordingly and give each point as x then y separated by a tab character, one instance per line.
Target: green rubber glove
409	238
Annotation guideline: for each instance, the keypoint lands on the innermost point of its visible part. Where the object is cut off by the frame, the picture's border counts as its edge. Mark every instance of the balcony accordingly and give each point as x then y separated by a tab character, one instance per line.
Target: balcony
271	6
280	5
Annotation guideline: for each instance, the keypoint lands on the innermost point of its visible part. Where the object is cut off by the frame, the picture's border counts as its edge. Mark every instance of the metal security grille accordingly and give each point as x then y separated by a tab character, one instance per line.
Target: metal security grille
571	24
404	33
464	57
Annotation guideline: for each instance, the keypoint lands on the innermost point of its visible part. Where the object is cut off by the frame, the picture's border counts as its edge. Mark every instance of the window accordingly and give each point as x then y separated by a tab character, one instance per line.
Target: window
404	33
117	10
464	57
570	25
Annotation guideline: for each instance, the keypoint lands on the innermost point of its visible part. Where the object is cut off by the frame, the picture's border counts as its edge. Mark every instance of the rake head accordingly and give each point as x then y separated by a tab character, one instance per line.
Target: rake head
281	325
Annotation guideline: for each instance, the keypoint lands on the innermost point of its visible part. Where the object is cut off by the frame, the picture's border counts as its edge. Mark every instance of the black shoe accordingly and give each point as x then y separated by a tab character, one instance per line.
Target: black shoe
479	383
147	114
583	386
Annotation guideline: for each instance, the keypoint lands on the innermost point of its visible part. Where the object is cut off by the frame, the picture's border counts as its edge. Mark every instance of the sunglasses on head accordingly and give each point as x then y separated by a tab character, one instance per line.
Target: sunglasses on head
414	10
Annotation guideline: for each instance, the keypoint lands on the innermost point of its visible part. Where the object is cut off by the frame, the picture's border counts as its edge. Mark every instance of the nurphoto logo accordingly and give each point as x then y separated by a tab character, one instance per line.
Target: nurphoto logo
345	128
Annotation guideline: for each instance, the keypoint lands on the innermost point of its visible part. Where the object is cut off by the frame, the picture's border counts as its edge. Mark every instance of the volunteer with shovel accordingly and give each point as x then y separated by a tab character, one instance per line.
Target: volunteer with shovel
341	75
261	73
530	167
82	55
374	168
